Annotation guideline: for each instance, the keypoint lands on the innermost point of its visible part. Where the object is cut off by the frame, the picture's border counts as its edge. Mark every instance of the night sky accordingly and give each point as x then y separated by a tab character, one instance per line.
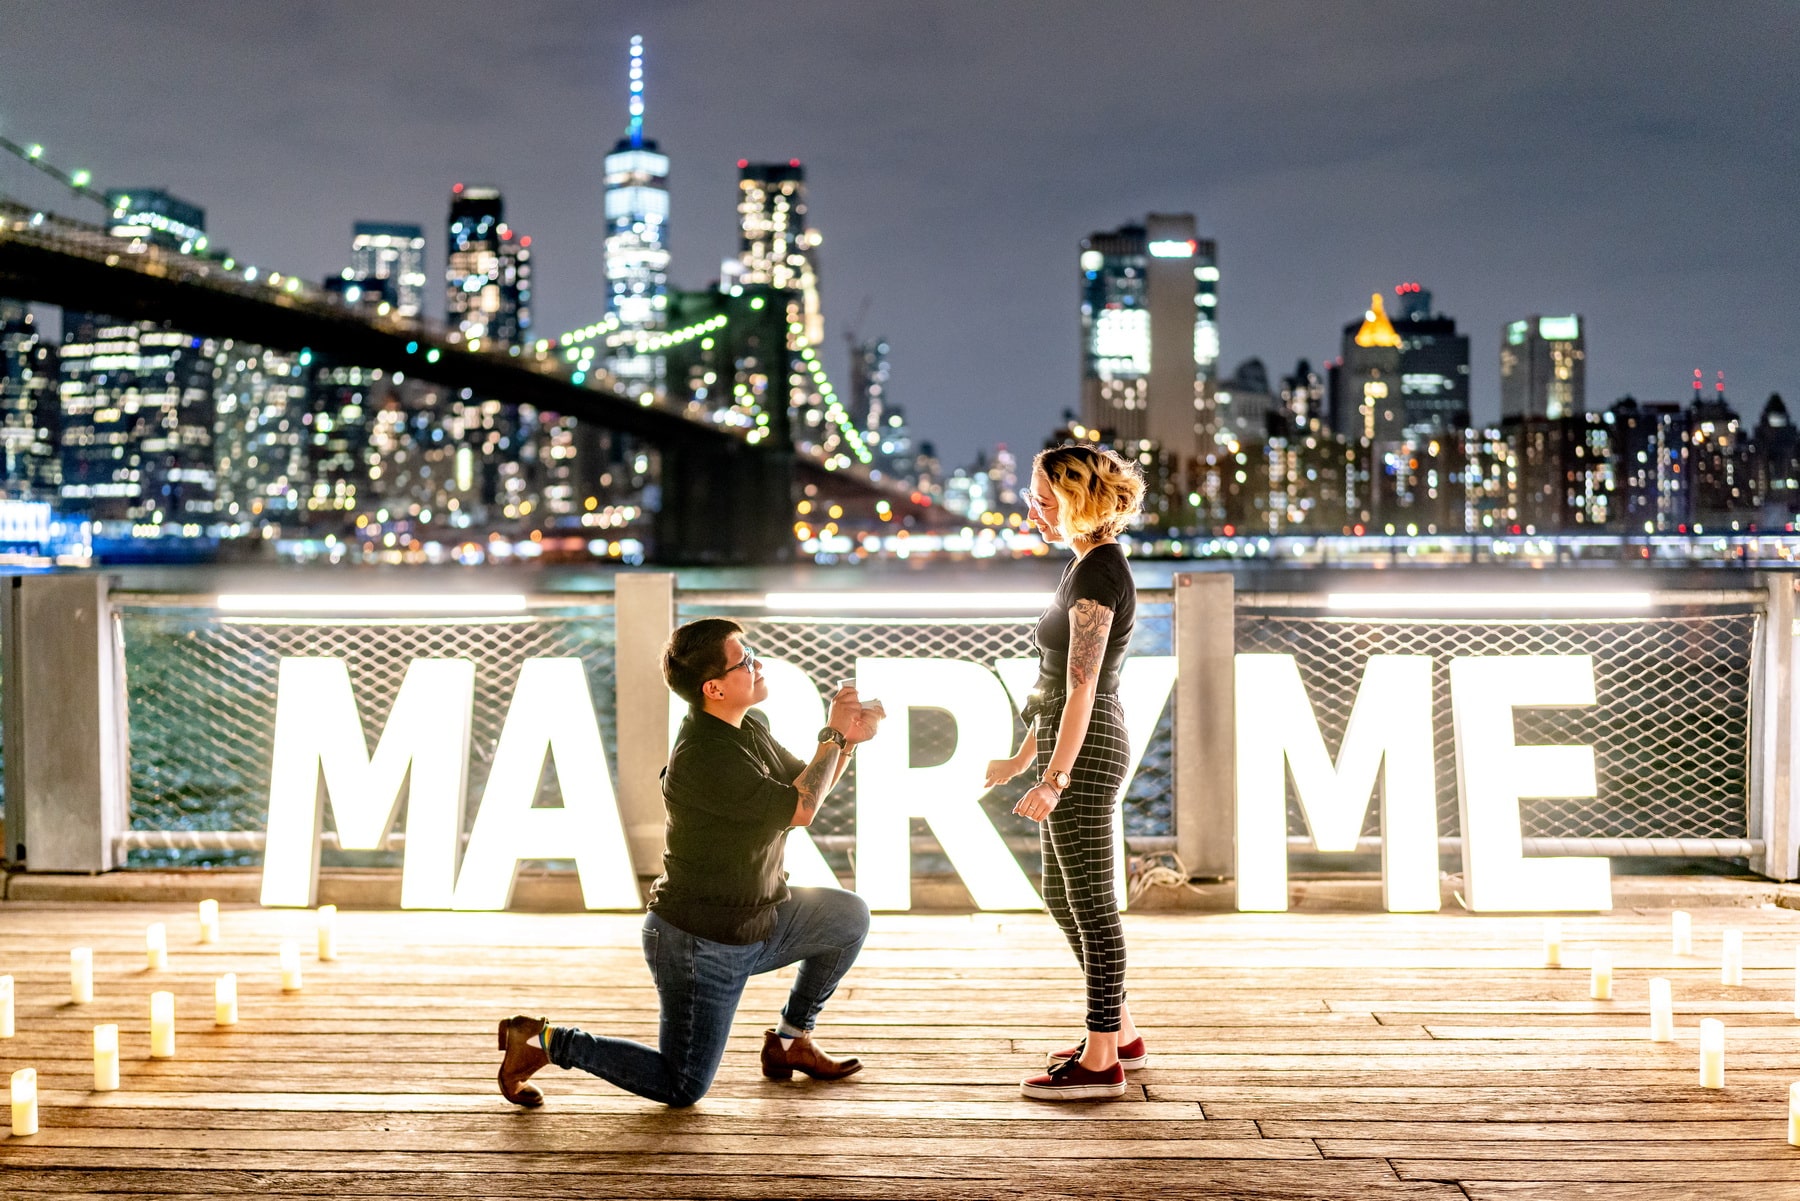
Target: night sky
1636	163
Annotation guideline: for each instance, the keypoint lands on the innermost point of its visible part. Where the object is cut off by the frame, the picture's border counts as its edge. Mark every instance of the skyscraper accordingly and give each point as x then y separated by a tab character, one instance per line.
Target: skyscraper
1434	365
137	414
1150	287
488	278
869	371
262	435
1367	381
396	253
637	237
135	397
29	418
1543	371
775	245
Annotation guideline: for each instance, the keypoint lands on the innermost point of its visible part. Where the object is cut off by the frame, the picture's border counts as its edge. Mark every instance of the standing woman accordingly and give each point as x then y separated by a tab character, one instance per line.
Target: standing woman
1083	496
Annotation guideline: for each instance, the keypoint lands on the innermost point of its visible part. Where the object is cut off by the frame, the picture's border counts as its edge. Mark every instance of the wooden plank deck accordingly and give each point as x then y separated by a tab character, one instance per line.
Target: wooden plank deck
1292	1056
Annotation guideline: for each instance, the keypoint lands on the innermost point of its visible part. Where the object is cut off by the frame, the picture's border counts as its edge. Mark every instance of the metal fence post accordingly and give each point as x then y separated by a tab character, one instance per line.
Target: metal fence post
1205	724
1774	797
66	796
644	616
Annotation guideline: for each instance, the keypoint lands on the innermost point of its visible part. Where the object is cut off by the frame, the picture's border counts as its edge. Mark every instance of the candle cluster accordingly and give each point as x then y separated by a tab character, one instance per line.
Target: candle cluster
1662	999
24	1089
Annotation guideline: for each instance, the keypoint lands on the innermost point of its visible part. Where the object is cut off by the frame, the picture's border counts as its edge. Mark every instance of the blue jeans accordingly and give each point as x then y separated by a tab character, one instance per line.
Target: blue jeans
700	982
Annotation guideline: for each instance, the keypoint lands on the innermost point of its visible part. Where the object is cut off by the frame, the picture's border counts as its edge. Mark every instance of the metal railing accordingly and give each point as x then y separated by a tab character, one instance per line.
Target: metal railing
1690	730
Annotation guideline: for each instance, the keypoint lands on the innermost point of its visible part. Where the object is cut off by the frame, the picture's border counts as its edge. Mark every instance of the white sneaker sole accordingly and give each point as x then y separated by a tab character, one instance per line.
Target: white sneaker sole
1073	1092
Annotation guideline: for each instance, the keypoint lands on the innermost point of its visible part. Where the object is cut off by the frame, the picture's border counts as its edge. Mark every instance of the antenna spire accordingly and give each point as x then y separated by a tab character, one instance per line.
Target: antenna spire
634	132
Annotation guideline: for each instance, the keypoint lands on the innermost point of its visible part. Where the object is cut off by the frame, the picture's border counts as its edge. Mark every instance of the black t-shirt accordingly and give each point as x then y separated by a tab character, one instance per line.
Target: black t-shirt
1103	576
730	796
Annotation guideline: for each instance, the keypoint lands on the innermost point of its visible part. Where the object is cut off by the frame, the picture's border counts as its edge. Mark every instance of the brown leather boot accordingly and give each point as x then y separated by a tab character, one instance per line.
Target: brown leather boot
804	1056
519	1039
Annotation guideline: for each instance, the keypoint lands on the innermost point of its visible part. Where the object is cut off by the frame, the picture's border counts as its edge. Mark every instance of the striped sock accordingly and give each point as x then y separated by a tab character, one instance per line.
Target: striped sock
544	1037
788	1032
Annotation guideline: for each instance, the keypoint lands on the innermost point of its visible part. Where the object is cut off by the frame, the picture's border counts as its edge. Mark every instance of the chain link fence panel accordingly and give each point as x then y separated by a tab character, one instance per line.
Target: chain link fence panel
201	692
1670	729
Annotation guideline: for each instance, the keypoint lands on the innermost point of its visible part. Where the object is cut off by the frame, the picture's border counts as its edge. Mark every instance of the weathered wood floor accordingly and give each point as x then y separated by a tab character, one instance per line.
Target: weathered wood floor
1292	1056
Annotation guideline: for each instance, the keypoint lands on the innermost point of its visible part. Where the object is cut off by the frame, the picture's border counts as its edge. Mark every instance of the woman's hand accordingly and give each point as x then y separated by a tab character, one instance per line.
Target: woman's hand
999	771
1038	803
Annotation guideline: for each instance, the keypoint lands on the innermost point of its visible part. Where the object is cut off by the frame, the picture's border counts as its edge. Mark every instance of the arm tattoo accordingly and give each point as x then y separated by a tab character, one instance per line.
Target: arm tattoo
1089	623
816	779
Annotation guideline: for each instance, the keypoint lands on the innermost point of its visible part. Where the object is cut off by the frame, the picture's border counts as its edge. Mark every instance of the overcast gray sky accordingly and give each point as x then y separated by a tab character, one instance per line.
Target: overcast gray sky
1634	162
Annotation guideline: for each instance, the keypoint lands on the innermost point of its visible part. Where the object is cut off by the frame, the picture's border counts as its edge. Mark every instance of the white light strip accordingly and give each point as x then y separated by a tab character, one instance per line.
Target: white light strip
326	602
921	602
1486	602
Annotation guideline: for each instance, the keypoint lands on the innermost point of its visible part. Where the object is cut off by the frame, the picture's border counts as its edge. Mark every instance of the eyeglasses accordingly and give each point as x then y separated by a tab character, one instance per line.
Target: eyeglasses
746	662
1033	501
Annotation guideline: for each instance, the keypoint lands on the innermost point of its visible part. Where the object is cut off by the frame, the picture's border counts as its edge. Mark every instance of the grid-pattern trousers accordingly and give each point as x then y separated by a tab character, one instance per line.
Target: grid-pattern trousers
1077	838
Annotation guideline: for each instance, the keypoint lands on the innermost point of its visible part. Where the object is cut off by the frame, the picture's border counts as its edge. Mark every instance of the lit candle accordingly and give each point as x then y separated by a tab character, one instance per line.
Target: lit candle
106	1058
81	975
1794	1114
290	967
1600	977
156	947
1712	1053
162	1025
327	933
225	1000
1662	1011
209	921
24	1101
1731	958
1552	943
1681	925
6	1007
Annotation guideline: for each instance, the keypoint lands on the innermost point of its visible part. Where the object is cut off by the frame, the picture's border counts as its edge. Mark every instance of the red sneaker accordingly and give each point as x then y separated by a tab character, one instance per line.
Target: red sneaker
1072	1082
1132	1055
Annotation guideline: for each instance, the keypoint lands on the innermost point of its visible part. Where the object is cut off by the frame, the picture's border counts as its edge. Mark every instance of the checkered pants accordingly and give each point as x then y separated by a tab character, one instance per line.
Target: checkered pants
1078	851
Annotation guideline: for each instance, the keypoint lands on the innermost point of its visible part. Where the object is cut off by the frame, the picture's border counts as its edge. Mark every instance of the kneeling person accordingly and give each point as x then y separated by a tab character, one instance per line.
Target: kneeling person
722	912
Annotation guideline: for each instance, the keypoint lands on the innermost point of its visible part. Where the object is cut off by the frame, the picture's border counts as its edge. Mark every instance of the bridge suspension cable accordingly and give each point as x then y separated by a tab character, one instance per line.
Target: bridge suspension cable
80	181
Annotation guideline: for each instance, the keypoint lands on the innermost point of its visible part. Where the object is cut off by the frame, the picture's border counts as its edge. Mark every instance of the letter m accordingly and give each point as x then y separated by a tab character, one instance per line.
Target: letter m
319	739
1389	736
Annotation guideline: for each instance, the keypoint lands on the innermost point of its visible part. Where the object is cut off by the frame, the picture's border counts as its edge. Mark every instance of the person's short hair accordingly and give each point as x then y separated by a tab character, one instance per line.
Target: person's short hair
694	654
1098	492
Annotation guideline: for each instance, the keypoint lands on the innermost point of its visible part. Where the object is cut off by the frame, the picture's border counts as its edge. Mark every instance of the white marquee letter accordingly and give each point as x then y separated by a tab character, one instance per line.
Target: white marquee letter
1492	774
795	713
552	714
1389	734
890	791
318	732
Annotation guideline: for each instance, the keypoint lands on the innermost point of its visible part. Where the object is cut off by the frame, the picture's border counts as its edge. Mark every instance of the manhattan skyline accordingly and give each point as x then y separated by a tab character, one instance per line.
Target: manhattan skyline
1518	159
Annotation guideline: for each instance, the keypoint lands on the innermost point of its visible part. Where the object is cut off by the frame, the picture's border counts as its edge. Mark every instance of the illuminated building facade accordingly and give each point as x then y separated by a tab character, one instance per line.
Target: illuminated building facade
488	277
776	247
261	403
1303	399
393	253
1543	367
1367	402
1434	365
137	424
30	420
869	373
158	217
637	239
1150	287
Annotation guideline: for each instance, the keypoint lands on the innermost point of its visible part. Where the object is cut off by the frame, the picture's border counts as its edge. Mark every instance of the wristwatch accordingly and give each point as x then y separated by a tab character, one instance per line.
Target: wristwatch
1059	780
833	734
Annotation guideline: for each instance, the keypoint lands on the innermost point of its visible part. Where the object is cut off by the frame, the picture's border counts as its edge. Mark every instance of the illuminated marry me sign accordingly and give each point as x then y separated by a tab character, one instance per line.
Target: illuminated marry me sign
422	758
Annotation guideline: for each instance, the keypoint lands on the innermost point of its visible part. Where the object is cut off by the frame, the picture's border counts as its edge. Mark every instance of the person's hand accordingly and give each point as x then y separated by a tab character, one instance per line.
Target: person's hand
845	710
868	721
999	771
1038	803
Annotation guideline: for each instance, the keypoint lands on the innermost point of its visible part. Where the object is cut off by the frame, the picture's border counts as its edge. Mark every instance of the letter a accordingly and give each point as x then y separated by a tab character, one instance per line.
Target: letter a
552	714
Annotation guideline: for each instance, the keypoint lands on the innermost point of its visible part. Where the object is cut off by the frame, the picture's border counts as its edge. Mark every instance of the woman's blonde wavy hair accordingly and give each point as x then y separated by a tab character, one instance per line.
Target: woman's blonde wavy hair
1098	491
